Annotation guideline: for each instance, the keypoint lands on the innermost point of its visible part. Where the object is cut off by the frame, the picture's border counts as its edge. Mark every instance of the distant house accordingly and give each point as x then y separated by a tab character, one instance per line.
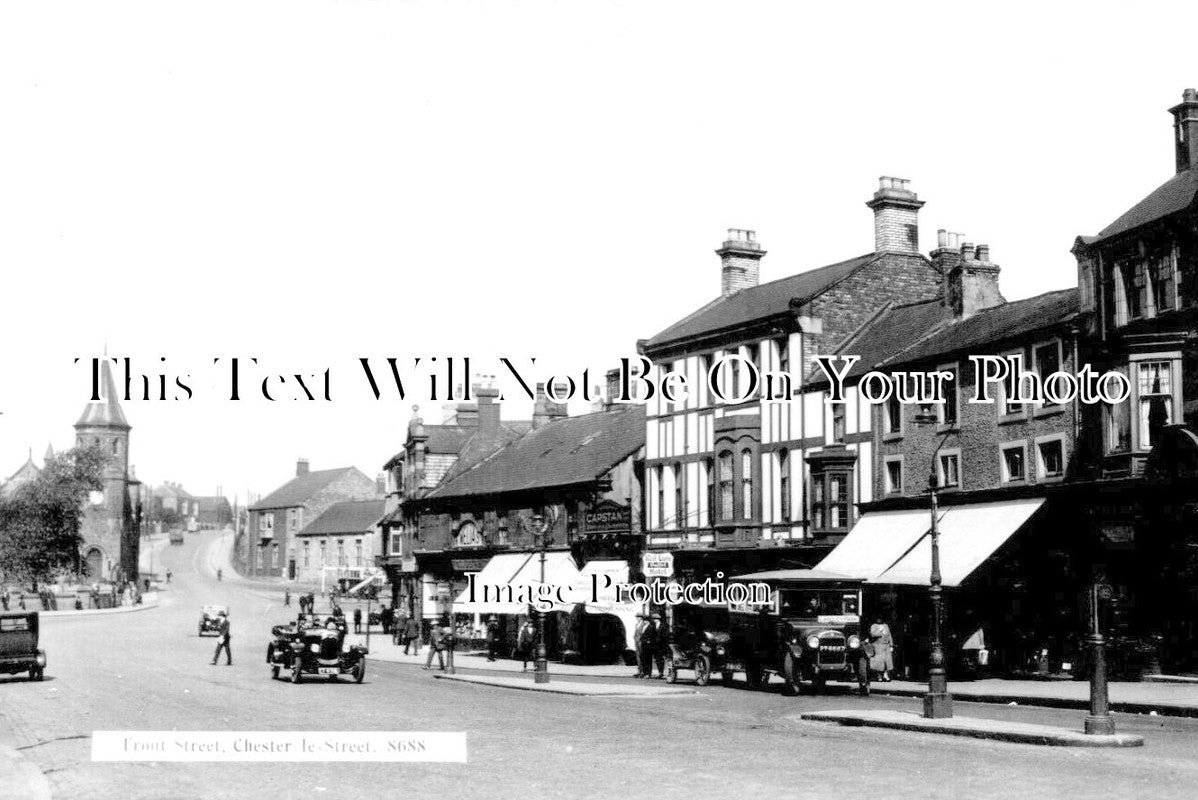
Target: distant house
338	546
172	499
268	545
214	512
27	473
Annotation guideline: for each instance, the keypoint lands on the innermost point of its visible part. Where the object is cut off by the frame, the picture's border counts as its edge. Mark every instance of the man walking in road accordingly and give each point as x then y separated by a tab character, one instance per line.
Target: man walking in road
411	636
357	620
286	596
222	641
436	646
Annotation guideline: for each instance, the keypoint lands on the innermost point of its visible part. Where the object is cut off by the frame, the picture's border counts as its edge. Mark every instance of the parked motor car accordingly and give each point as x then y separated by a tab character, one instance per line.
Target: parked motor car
176	536
809	631
210	619
703	652
306	648
18	645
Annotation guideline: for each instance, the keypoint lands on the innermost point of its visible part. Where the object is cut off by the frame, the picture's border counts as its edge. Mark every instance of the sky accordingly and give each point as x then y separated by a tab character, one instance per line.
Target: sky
308	183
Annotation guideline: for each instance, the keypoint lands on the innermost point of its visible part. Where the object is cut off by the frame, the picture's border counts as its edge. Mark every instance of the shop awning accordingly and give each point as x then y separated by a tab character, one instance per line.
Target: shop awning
515	570
969	534
877	542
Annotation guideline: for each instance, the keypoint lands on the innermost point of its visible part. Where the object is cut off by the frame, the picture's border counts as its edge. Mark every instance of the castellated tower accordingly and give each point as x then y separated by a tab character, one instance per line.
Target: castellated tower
110	536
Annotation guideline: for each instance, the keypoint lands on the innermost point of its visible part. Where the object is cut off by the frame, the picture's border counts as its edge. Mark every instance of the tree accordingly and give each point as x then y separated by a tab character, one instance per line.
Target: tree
40	522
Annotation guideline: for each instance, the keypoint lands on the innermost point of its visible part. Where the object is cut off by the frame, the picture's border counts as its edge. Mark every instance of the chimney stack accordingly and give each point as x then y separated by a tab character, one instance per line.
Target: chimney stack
545	410
301	467
1185	130
946	256
973	282
488	407
740	261
896	216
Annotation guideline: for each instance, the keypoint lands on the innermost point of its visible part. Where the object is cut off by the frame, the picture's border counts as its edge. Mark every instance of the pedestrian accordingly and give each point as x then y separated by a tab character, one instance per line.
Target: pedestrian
21	602
387	619
168	576
437	647
412	636
4	598
222	640
147	582
641	640
78	603
882	661
219	573
286	596
525	641
358	620
492	637
658	645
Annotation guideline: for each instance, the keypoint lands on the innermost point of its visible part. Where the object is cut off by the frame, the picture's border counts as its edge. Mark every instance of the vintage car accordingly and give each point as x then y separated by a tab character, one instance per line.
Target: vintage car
703	653
18	645
306	648
210	619
176	536
808	633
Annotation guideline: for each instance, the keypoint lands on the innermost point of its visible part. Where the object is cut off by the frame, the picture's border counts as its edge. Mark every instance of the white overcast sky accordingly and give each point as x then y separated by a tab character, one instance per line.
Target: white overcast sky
309	182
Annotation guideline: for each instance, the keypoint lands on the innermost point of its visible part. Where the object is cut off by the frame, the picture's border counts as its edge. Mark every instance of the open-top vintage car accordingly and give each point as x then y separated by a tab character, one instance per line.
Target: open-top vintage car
18	645
306	648
700	644
808	633
210	619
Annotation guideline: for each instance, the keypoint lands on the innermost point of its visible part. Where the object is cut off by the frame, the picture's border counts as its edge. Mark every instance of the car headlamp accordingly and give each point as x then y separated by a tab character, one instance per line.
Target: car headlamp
314	647
719	651
854	642
813	641
41	659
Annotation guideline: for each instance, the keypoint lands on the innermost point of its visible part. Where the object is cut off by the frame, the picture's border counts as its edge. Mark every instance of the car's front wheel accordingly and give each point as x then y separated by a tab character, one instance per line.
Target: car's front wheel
295	671
36	674
671	671
274	672
702	670
360	670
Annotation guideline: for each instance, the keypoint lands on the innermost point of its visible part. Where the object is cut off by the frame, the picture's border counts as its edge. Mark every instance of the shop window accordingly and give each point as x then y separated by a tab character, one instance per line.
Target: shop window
746	484
1014	463
784	485
726	485
1155	396
949	469
894	475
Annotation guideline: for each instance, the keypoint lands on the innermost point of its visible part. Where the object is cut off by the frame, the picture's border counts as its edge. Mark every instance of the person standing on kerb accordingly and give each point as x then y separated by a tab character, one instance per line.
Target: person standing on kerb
222	640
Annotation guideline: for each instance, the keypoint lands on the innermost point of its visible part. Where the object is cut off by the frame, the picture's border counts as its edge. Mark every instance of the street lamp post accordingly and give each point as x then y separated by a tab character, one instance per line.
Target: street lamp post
937	703
1099	722
540	531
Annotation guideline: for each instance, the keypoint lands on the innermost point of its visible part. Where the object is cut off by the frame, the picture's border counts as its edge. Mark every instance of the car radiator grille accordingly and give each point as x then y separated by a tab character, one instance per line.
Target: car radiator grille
831	648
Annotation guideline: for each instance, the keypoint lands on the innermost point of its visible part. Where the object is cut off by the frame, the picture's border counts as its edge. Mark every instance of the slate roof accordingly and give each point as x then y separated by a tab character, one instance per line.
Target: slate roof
352	516
982	331
564	452
1175	194
762	301
107	411
891	331
297	490
453	439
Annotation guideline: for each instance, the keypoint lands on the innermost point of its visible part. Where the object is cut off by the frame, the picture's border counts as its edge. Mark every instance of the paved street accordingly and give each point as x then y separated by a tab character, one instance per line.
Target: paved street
148	671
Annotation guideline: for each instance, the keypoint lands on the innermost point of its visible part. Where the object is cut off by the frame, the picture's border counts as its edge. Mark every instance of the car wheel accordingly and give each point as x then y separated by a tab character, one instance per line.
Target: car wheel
755	676
790	672
726	677
360	670
36	674
671	672
295	671
274	672
702	671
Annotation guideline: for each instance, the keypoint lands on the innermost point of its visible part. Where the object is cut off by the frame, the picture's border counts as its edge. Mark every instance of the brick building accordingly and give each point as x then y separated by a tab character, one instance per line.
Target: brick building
728	483
269	545
338	547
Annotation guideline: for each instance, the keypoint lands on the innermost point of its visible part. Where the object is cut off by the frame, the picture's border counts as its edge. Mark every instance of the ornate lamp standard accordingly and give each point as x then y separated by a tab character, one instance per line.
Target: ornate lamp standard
539	528
937	703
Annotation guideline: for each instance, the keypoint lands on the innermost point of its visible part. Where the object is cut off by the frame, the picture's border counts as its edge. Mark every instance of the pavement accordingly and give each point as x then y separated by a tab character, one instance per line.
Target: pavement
20	779
974	727
649	689
149	672
1178	698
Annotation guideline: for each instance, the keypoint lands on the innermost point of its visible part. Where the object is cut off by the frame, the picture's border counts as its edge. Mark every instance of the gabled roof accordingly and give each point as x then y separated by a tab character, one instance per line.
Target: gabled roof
890	332
761	301
105	412
1175	194
350	517
299	489
453	439
564	452
984	330
27	472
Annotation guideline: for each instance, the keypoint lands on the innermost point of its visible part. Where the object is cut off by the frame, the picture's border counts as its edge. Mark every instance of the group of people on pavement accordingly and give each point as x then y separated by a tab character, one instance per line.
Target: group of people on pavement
652	640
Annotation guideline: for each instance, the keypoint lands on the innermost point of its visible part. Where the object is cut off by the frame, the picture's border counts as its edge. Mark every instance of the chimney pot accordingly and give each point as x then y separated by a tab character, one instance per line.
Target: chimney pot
967	252
301	467
740	261
1185	130
896	216
983	252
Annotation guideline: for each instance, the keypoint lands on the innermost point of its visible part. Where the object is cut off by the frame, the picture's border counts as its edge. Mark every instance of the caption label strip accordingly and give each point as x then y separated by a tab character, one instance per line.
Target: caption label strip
277	746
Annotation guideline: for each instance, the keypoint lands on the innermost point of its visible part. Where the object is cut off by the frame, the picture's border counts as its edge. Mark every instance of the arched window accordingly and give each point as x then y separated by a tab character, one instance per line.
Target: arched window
468	535
784	484
725	470
679	503
746	483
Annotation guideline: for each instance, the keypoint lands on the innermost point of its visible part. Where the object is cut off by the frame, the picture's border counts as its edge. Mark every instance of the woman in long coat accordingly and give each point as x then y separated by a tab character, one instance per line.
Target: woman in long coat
882	660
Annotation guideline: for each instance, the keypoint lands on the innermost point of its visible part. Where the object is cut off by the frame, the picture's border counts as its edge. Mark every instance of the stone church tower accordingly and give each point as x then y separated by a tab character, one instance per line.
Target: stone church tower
110	536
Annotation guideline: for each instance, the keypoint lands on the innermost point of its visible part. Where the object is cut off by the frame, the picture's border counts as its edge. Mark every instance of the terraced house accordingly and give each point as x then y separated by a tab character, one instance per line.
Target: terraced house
752	482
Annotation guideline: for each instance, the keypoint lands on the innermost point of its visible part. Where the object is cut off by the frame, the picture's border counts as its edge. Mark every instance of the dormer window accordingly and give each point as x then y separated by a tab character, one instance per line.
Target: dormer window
469	536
